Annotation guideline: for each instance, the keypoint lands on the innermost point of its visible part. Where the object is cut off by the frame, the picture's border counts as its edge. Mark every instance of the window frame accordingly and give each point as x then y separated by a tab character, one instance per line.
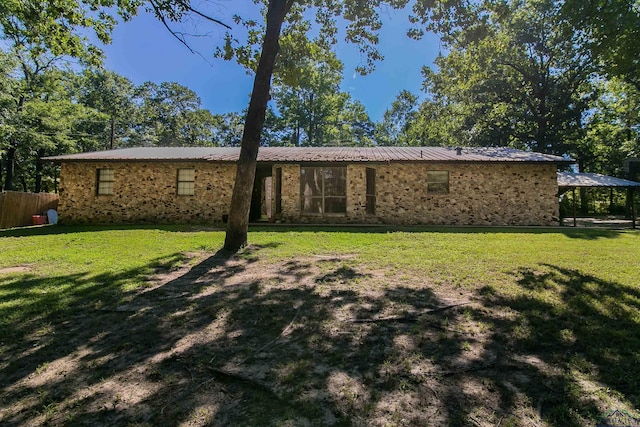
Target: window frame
326	193
434	184
180	189
105	184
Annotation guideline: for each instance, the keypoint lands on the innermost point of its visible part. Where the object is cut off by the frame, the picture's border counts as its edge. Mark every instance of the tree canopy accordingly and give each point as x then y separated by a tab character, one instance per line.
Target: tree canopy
518	77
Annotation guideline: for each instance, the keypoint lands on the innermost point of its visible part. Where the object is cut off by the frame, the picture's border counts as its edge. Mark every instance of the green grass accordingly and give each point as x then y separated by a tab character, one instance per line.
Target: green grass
567	299
457	255
468	256
67	267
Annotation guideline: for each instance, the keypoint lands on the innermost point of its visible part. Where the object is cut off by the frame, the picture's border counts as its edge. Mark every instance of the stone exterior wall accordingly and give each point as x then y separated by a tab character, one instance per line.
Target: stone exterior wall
144	192
290	196
479	194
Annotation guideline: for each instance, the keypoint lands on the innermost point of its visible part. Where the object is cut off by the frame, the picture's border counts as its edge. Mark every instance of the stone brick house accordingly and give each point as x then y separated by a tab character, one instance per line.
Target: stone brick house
381	185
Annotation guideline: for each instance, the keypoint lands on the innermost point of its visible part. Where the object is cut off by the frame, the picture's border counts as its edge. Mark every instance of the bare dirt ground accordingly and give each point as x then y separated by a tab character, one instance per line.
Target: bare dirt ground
305	341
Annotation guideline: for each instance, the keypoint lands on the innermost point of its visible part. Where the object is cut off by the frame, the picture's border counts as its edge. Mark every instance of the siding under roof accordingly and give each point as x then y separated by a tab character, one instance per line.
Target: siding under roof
316	154
568	179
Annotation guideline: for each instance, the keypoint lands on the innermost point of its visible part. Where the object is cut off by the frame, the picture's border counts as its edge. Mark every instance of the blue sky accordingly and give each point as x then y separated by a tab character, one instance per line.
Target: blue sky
143	50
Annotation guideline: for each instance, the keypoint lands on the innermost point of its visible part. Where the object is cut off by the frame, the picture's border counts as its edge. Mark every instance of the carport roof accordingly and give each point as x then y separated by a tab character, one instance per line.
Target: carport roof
570	179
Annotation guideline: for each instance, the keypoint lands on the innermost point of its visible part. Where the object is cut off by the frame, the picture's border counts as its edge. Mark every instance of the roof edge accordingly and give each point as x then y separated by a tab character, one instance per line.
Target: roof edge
343	155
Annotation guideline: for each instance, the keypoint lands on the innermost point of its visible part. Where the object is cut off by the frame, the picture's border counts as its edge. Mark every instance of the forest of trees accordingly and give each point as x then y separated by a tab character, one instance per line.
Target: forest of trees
48	109
558	77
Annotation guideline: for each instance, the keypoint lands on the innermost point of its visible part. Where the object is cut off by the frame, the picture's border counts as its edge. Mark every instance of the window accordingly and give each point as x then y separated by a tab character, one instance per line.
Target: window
323	190
186	182
438	181
371	191
104	182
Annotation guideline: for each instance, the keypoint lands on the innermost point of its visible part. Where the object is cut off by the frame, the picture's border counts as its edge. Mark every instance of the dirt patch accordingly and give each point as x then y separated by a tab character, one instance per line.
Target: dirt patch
322	340
16	269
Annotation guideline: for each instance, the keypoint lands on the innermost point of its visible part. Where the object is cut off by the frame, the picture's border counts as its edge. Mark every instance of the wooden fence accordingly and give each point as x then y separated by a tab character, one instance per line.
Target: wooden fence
16	209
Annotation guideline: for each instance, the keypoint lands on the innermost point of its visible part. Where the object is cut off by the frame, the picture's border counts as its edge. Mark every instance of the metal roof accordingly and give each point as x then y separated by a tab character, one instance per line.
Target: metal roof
569	179
317	154
145	153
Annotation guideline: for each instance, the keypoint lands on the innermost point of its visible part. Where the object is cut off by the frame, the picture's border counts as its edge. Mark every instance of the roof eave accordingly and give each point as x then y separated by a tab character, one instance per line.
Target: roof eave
61	160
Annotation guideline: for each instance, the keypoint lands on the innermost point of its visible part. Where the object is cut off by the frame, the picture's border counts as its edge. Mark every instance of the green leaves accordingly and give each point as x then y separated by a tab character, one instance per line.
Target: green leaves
611	30
312	23
534	74
170	114
398	123
61	26
612	129
513	74
311	108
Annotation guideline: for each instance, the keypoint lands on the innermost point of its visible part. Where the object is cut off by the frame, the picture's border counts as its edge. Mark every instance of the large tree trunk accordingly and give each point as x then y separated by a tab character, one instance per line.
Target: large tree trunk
237	226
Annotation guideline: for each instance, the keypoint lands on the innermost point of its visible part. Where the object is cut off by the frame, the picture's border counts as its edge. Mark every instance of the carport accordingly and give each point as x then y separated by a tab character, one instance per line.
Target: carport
570	181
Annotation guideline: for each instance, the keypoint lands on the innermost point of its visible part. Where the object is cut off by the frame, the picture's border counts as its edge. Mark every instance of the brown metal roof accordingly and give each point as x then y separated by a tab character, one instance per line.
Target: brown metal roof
146	153
317	154
568	179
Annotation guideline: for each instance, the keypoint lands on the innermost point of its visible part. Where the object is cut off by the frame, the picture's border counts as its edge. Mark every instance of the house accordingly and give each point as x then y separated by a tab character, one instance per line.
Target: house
378	185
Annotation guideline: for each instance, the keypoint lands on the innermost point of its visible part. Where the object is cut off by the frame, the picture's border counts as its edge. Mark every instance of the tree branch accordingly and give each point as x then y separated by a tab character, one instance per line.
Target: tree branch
162	19
519	69
408	318
203	15
288	6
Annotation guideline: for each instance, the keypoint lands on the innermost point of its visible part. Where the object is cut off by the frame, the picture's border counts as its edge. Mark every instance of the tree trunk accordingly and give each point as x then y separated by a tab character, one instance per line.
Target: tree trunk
611	202
238	223
311	137
112	133
11	152
11	162
38	179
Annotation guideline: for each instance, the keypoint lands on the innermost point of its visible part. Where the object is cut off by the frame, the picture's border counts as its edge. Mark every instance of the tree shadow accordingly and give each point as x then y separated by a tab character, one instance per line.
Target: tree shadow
264	349
570	342
235	340
72	229
581	233
341	274
594	233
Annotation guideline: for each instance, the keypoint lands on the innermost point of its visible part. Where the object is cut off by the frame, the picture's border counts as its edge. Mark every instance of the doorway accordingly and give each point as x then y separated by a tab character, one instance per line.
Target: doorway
261	207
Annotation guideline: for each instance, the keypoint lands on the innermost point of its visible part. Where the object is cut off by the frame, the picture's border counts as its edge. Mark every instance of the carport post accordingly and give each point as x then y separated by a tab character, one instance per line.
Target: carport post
633	209
573	193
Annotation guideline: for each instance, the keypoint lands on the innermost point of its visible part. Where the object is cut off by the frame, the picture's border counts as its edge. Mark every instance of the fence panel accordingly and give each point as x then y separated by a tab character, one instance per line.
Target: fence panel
16	209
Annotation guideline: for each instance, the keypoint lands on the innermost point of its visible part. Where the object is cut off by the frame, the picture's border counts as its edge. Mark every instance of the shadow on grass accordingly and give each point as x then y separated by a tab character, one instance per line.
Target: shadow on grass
223	342
46	230
234	341
571	342
582	233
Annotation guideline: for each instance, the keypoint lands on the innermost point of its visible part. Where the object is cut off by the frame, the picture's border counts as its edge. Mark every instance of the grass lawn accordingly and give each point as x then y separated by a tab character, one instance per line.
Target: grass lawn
318	326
